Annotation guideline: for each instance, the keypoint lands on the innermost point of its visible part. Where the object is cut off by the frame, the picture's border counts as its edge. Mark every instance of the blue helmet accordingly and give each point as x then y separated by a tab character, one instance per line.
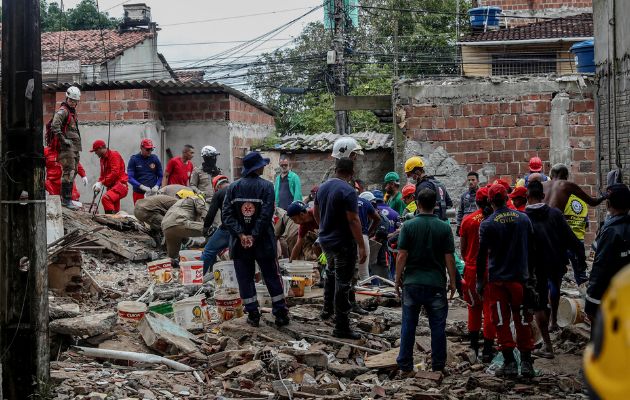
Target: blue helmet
378	195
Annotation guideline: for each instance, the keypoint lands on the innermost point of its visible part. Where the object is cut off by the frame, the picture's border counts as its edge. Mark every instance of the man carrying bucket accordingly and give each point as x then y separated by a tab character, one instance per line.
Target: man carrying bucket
247	213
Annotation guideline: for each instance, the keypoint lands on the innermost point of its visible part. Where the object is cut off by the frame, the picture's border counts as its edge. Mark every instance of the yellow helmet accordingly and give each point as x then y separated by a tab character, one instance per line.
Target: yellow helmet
413	163
185	193
607	357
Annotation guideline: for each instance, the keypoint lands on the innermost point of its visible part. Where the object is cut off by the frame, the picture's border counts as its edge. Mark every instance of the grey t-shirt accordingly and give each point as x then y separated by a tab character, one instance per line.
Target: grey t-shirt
285	197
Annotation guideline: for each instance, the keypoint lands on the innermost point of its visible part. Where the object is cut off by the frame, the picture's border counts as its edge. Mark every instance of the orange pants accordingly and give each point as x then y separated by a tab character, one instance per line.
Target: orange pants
476	306
111	199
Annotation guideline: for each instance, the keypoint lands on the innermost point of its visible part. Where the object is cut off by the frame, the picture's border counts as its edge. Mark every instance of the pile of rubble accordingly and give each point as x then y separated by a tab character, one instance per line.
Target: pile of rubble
99	357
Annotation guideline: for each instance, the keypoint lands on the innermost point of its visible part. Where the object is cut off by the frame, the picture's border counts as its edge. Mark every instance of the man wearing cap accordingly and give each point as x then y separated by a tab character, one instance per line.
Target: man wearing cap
183	220
414	168
409	197
113	177
519	198
535	167
393	197
247	213
179	169
287	187
613	247
144	171
218	240
506	242
308	226
467	204
201	178
477	305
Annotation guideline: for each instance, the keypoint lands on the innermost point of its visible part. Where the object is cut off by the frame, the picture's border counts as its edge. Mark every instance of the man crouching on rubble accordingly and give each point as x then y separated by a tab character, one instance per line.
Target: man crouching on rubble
248	215
425	253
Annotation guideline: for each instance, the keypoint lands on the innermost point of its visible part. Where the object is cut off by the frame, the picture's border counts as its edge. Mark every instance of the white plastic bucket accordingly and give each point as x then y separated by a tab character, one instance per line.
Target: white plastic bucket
229	304
191	273
131	311
225	275
190	255
192	313
161	271
286	285
570	311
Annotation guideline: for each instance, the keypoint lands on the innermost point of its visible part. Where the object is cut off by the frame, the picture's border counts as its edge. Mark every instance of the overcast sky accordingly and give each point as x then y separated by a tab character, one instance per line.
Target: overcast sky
184	13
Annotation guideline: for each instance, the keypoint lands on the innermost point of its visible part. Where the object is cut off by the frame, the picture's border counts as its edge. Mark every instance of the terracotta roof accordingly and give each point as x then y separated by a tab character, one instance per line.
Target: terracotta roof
323	142
87	45
189	76
575	26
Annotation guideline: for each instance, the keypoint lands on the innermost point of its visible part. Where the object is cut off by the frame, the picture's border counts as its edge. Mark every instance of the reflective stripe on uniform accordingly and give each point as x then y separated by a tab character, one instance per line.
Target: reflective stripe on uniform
499	312
472	299
250	300
277	298
239	199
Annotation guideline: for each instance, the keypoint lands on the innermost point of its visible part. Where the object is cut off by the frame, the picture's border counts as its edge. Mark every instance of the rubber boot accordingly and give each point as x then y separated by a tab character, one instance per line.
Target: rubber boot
527	365
282	319
66	196
510	368
253	318
356	308
342	328
488	351
474	342
329	296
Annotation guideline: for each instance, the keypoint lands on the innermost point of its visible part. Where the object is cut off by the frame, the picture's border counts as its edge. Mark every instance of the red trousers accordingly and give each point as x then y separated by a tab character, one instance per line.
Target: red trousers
476	306
111	199
137	196
506	299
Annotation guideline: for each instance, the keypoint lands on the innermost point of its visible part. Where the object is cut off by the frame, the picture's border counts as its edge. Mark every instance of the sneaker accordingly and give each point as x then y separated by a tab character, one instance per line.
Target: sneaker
527	369
326	315
253	318
282	320
346	334
69	205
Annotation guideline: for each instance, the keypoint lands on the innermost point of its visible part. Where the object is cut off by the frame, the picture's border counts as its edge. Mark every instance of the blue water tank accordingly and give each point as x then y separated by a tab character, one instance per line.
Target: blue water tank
481	17
584	56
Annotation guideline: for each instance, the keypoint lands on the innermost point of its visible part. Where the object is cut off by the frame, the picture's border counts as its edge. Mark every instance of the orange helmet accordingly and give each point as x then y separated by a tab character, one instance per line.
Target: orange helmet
408	190
219	179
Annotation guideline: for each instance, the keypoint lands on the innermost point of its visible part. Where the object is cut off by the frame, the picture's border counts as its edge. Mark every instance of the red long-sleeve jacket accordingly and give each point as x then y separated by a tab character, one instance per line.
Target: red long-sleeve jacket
112	169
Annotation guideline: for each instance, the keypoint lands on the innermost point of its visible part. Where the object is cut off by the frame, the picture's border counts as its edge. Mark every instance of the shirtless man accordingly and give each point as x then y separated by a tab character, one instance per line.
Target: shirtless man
559	189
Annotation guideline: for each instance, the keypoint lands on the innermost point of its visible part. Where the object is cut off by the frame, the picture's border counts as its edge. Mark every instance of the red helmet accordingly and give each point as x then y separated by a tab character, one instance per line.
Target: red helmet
408	190
147	144
219	179
535	164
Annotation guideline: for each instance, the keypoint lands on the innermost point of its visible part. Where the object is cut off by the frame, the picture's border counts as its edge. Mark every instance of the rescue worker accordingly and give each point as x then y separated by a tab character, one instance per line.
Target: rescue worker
414	168
247	213
613	247
113	177
478	306
179	169
467	202
553	239
308	226
535	166
370	220
151	210
393	197
505	238
339	236
171	190
285	231
219	238
519	198
144	171
409	197
67	142
54	172
201	179
345	146
183	220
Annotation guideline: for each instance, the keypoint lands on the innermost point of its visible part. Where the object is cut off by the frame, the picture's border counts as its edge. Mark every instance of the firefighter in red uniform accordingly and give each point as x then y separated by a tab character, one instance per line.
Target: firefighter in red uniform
54	172
113	177
469	242
519	198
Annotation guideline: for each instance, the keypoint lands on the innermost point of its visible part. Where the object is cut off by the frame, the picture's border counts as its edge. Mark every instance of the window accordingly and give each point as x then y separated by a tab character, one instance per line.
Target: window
523	63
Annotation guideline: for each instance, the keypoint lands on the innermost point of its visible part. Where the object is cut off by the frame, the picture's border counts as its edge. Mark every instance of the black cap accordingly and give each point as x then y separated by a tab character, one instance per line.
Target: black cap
619	195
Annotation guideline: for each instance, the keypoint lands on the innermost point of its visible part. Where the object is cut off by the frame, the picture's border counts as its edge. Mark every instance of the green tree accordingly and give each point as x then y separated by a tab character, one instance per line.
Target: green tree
84	16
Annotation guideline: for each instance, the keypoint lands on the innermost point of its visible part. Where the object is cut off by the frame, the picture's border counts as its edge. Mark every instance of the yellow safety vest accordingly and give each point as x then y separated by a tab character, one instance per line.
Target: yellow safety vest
575	212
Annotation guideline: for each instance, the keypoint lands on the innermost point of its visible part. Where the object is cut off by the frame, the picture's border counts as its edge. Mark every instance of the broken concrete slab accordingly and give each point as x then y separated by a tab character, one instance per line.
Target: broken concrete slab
248	370
63	310
163	335
383	360
346	370
88	325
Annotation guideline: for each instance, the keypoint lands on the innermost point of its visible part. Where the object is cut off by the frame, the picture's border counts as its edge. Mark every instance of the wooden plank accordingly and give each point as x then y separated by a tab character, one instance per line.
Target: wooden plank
353	103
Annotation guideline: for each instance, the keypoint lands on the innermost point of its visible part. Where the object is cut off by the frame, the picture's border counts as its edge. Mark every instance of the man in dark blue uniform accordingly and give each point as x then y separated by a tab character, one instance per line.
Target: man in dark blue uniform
247	214
414	168
144	171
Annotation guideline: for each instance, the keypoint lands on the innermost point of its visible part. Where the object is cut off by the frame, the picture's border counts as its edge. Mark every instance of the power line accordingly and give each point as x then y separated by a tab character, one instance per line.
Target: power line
235	17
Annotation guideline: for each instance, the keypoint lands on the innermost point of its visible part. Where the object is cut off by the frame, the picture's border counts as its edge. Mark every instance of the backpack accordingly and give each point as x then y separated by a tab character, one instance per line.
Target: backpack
440	190
52	140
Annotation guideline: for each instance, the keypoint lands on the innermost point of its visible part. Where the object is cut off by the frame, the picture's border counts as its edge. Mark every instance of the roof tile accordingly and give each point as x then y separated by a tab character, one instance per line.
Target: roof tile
301	142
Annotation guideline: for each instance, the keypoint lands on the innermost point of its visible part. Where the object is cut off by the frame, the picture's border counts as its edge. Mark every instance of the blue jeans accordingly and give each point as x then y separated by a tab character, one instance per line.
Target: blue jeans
218	241
434	301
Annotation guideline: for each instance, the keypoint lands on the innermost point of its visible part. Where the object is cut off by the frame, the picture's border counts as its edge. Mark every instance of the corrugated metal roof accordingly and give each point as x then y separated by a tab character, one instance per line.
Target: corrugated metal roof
167	88
323	142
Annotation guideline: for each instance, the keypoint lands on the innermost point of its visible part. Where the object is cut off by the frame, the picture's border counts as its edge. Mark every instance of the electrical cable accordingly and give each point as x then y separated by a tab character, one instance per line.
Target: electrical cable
235	17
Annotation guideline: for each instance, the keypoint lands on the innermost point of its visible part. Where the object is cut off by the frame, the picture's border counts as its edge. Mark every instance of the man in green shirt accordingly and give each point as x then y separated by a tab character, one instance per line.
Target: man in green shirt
425	253
393	197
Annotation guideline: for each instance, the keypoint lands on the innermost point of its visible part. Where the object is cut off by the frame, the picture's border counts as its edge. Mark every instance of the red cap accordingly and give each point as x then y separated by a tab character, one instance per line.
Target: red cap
147	144
503	183
408	189
97	145
535	164
218	180
482	194
519	192
497	191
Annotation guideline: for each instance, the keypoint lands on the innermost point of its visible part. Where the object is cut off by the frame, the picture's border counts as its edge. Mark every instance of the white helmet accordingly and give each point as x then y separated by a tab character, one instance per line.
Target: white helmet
369	196
344	146
73	93
208	151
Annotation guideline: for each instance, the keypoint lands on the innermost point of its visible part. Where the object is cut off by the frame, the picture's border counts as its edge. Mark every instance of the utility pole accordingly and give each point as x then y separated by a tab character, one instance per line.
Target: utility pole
24	344
341	117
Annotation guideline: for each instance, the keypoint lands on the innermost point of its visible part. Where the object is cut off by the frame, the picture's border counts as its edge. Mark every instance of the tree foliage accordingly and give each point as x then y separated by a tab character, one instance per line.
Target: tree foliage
84	16
419	34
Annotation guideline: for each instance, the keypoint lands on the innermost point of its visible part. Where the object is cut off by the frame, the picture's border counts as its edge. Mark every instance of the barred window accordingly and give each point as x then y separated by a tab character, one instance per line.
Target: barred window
523	63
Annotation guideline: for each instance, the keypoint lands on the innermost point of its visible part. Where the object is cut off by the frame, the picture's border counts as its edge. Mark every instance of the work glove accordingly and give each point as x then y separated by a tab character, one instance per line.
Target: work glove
155	189
145	189
98	186
84	180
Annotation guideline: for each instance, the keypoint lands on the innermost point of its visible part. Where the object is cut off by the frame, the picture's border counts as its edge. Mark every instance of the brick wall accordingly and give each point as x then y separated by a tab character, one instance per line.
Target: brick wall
526	5
214	107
